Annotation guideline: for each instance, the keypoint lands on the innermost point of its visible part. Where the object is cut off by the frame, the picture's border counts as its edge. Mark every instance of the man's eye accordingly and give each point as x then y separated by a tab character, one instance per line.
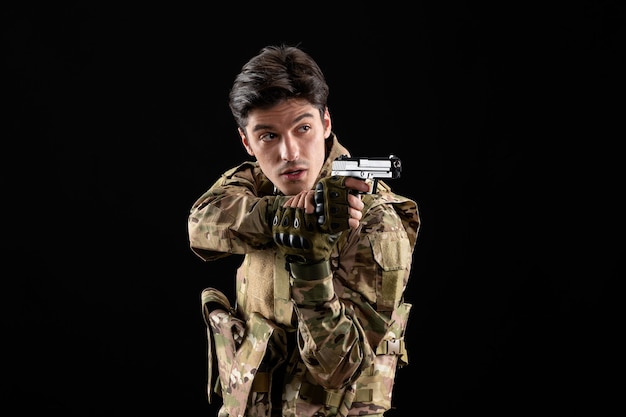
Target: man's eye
305	128
267	137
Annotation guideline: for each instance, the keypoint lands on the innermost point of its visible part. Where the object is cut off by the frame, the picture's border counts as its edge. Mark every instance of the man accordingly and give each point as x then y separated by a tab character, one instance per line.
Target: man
318	327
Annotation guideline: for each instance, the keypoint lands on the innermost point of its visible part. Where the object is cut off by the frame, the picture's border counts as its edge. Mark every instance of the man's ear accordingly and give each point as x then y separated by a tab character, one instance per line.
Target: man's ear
245	142
328	125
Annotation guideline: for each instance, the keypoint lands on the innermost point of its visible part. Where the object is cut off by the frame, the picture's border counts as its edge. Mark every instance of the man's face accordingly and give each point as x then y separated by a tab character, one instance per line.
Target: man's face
288	141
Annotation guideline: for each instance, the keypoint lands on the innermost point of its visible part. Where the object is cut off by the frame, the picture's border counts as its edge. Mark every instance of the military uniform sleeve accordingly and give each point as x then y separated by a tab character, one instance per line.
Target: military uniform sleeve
231	217
343	317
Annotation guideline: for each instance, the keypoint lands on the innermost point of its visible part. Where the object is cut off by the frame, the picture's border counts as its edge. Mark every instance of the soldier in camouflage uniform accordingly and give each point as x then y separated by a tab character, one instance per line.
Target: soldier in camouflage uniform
318	327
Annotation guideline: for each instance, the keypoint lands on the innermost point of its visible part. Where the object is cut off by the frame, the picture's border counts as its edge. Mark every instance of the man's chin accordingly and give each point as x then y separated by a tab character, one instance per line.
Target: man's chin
292	188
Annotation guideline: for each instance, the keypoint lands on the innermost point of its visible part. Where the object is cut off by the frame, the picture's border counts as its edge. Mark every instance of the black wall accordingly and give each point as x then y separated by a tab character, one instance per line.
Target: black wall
116	120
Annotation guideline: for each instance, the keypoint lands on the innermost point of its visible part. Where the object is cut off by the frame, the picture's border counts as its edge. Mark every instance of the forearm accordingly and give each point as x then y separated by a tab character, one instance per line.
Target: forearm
331	342
231	223
370	274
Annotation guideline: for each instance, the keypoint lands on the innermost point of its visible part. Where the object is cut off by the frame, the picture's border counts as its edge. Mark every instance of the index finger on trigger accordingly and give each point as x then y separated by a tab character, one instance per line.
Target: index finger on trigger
357	184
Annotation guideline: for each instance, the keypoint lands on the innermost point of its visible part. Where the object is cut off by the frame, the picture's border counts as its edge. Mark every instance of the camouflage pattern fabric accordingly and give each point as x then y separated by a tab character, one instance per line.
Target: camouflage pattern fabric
350	325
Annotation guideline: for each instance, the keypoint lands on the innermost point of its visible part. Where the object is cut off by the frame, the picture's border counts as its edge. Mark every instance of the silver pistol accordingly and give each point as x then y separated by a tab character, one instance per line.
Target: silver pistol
371	169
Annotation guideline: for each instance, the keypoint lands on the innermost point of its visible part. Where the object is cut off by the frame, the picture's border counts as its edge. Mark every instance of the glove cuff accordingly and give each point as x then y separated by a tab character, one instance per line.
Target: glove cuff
312	271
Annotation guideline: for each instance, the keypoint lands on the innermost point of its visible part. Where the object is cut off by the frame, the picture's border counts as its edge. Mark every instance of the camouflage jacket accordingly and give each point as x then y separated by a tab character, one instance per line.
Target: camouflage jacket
348	327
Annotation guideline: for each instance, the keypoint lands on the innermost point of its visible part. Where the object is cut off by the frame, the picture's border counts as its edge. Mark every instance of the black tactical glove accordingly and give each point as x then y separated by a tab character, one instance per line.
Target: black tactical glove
331	204
299	238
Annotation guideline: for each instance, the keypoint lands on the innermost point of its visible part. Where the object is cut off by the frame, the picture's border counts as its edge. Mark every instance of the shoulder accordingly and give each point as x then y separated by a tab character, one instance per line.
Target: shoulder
379	215
387	211
247	174
245	167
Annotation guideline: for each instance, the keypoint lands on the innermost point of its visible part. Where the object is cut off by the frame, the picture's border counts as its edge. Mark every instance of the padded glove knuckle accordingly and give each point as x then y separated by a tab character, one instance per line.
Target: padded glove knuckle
297	235
331	204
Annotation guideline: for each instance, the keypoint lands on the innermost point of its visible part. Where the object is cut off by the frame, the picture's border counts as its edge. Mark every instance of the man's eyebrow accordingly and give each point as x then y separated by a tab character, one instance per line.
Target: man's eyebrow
303	116
269	127
261	127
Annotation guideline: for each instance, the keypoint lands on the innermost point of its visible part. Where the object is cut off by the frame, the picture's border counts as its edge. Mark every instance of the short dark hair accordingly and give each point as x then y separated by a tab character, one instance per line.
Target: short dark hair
277	73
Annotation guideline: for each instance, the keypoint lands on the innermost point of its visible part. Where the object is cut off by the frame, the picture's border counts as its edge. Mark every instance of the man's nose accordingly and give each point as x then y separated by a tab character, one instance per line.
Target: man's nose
290	149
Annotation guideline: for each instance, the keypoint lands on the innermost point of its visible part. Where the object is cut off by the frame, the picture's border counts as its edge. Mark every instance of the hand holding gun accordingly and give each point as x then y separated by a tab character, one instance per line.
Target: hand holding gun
336	204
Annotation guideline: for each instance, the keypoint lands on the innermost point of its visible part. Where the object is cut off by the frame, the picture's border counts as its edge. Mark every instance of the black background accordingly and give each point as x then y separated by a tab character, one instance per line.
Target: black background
504	116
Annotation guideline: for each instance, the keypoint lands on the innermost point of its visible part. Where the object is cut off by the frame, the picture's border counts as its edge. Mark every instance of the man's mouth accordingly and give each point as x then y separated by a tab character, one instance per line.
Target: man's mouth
293	175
